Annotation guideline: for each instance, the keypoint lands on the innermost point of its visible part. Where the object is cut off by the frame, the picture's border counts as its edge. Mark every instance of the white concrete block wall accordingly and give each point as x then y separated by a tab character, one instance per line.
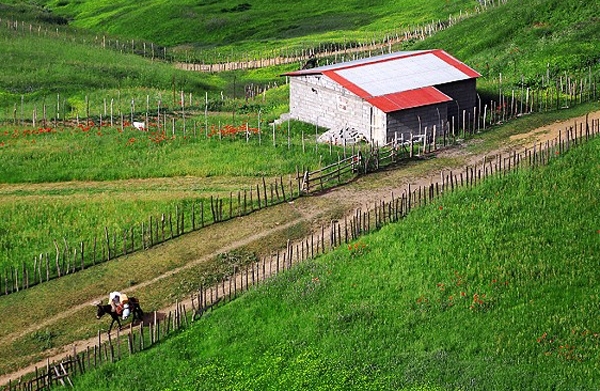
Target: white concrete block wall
319	100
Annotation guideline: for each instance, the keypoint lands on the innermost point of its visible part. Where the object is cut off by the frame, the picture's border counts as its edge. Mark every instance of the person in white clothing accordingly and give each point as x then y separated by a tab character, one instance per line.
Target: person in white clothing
119	303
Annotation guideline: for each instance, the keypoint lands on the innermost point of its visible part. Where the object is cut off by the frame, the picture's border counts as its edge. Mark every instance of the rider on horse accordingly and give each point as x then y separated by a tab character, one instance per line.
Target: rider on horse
119	303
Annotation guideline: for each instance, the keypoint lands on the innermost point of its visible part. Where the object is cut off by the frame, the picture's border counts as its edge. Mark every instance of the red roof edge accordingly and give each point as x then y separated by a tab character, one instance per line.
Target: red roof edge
409	99
456	63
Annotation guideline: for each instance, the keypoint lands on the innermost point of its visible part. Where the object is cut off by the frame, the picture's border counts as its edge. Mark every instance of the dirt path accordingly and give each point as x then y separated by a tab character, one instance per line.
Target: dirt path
231	246
59	353
358	195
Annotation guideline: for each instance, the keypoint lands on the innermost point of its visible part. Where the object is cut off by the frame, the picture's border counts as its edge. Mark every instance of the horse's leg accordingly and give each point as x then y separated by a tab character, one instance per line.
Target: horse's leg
139	312
115	319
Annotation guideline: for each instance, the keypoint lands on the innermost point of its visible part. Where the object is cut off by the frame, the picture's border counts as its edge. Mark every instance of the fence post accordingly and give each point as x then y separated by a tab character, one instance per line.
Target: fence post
265	191
107	240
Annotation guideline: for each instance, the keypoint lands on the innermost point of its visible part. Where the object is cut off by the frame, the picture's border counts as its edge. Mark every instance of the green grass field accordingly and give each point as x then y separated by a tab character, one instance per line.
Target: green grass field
232	24
487	288
550	43
70	184
530	46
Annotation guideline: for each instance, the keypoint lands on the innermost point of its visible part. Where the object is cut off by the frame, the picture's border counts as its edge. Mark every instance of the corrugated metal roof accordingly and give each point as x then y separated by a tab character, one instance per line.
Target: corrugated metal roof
389	76
408	99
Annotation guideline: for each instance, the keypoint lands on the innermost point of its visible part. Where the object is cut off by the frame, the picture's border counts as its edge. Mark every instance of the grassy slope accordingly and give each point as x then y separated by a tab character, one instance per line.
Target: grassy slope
469	41
70	184
546	38
218	23
38	68
42	60
489	288
549	37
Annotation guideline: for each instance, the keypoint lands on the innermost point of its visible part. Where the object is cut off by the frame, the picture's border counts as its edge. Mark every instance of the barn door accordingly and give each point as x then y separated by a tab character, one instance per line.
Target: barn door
376	131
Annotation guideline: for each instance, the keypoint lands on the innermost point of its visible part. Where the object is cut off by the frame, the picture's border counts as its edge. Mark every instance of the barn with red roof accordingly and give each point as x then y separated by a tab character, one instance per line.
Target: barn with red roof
384	97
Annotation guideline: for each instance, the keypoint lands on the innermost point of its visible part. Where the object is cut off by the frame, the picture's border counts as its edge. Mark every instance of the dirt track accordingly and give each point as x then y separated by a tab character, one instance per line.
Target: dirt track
359	194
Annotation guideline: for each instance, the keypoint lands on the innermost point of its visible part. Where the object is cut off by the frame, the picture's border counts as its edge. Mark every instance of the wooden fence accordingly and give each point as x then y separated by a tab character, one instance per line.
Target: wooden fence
372	159
213	60
113	347
68	259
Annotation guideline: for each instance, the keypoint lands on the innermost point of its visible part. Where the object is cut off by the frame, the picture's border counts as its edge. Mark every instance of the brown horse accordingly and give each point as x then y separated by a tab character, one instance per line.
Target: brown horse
134	306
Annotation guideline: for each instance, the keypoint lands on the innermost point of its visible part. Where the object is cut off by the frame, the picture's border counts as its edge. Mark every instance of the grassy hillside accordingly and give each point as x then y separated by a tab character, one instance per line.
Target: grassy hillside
37	68
547	38
211	23
530	47
388	317
488	288
45	69
68	184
